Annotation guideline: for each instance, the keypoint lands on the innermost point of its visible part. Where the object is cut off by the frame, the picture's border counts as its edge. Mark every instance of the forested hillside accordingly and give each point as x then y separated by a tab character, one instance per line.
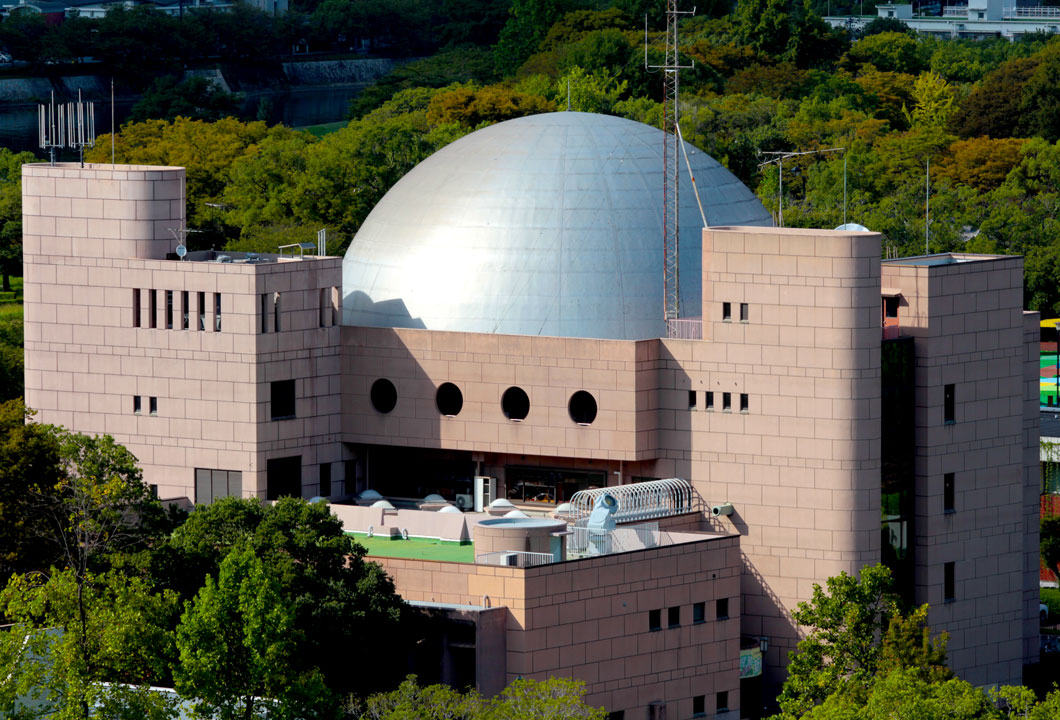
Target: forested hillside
768	77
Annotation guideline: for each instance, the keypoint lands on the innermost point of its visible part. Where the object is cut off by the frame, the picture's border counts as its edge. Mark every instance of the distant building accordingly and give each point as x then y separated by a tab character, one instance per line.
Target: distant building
976	19
56	12
495	332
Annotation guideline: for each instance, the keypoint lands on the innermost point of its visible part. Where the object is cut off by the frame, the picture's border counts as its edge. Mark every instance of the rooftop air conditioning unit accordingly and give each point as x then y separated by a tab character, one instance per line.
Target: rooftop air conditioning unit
485	492
464	501
510	559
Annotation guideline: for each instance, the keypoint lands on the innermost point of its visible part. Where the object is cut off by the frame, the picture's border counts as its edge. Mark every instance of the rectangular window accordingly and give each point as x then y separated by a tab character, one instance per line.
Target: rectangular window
744	402
136	404
699	706
264	313
185	310
153	309
276	312
947	493
657	710
673	616
691	399
217	311
283	477
154	491
699	613
710	401
323	307
336	308
325	480
723	701
169	309
136	307
726	402
721	609
655	619
282	399
616	715
950	404
153	405
890	307
949	590
726	311
211	485
202	312
745	312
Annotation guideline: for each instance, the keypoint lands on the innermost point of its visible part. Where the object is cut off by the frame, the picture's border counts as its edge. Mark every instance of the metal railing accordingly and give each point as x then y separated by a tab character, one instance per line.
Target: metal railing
587	542
514	558
685	329
955	11
639	501
1042	11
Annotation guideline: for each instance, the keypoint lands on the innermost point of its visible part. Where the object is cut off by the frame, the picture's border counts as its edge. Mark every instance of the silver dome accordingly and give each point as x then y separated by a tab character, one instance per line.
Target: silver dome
543	225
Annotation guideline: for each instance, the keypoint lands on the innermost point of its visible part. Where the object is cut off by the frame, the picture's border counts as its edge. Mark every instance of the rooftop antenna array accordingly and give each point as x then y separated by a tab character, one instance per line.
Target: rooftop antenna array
180	234
670	68
66	125
779	156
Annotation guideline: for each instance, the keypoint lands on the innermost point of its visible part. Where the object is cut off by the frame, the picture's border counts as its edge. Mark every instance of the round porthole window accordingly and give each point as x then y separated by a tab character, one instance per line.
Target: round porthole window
449	399
582	407
515	403
383	395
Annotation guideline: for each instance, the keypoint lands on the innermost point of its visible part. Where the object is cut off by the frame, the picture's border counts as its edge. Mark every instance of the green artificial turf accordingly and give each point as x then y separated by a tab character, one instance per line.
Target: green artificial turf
417	548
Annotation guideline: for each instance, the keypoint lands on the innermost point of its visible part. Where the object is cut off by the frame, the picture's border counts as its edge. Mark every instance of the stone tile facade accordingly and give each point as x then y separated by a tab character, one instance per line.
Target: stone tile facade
589	619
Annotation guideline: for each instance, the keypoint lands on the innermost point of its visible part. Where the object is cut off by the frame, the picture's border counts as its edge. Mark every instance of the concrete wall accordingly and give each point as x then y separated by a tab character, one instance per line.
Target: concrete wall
969	329
588	619
95	236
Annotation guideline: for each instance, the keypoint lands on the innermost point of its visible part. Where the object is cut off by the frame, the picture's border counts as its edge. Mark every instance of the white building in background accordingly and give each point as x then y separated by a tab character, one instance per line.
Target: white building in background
976	19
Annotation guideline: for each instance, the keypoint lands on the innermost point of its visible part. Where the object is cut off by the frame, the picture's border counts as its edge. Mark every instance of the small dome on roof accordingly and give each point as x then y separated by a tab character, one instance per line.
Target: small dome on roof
434	498
370	494
449	509
501	503
385	504
515	514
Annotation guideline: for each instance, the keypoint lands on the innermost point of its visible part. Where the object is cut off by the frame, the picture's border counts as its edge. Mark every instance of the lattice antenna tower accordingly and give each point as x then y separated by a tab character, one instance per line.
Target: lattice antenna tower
66	125
671	148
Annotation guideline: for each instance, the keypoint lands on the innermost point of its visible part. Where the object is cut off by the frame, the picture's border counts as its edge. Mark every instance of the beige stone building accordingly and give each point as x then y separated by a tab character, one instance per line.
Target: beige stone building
850	411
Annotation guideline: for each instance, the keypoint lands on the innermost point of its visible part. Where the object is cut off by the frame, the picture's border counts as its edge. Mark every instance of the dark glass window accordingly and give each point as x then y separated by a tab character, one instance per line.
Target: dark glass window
136	404
582	407
169	309
276	312
726	311
515	404
283	405
283	477
699	706
710	401
264	312
325	480
721	608
949	402
745	312
202	311
383	395
548	485
673	616
217	311
723	701
949	590
153	308
691	399
890	307
449	399
726	401
617	715
699	612
185	309
136	307
744	402
948	493
153	405
655	619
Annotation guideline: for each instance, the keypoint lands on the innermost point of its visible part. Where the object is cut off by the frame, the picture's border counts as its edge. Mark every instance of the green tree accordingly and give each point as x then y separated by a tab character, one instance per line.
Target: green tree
885	24
337	600
552	699
196	97
527	25
993	107
236	640
11	213
83	631
888	52
933	100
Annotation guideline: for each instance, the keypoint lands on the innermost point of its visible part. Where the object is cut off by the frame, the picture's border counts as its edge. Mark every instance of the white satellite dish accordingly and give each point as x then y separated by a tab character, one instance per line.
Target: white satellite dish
852	227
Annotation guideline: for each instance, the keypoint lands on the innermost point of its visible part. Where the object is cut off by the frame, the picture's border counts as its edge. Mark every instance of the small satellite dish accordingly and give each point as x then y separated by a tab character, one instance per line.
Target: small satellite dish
853	227
182	250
